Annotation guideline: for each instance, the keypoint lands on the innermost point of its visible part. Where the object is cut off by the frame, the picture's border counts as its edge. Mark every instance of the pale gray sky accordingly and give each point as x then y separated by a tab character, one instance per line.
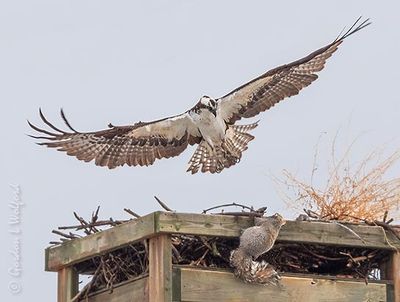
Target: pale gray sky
125	61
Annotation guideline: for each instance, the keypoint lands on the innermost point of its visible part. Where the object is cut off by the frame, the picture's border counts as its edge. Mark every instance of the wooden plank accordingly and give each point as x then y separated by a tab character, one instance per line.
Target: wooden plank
67	284
81	249
329	233
160	268
200	224
131	291
294	231
176	284
78	250
202	285
393	273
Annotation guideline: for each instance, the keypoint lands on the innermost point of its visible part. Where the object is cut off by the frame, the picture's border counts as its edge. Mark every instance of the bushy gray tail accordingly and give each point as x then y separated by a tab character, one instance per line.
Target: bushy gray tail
250	271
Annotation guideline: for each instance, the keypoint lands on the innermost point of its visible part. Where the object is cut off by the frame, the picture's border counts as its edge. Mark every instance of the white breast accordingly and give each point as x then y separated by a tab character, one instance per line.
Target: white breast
211	128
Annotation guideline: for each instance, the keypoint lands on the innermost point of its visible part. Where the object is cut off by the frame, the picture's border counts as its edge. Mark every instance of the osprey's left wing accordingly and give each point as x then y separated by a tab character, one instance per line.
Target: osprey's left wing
267	90
139	144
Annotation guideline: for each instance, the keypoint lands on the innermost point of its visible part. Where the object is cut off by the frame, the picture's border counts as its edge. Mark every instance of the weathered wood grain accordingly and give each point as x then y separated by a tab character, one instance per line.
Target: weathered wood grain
294	231
328	233
201	285
201	224
160	268
393	273
131	291
77	250
67	284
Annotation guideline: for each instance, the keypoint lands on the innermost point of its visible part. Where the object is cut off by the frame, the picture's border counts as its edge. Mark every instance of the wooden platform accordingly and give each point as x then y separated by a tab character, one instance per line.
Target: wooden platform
168	283
195	285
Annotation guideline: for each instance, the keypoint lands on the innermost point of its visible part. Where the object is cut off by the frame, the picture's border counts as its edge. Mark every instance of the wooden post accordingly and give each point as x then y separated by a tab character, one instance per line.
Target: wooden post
68	284
160	270
393	273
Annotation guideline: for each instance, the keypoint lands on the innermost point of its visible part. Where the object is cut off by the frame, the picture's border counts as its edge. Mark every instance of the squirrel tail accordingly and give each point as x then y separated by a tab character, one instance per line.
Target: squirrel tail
241	264
260	272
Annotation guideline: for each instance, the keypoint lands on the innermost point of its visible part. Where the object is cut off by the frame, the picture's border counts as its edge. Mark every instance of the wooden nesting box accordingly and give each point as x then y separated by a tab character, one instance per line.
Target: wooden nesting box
167	282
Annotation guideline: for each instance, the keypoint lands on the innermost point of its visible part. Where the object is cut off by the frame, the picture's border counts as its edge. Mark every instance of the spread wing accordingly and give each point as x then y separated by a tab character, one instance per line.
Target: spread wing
270	88
139	144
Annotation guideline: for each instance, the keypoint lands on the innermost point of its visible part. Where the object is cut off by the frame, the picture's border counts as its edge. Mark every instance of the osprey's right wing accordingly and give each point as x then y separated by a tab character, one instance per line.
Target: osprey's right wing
139	144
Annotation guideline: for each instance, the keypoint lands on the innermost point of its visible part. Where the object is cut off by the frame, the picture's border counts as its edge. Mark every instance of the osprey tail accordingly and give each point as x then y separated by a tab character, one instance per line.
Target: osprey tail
215	159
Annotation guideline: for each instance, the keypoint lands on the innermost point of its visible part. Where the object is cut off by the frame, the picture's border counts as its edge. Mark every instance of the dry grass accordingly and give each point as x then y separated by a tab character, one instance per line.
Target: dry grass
352	192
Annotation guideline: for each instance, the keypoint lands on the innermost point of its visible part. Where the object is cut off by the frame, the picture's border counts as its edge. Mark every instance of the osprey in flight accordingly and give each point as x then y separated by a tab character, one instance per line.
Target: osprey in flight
210	123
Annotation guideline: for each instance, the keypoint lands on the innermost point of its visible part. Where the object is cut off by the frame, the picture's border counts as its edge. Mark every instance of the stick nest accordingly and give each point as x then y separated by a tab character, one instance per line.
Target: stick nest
130	262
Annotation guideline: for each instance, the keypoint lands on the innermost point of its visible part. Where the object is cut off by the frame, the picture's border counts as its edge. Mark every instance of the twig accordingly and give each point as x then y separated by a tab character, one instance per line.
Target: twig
383	224
350	230
385	216
129	211
83	223
233	204
88	286
386	226
248	214
69	236
311	214
163	205
262	210
95	215
95	224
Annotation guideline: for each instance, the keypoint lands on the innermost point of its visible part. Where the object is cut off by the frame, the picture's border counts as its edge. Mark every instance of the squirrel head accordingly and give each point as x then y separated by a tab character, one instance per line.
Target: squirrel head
278	220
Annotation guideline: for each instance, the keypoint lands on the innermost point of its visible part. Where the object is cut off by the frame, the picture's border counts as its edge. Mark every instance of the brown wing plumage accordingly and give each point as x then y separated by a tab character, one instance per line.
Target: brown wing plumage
270	88
139	144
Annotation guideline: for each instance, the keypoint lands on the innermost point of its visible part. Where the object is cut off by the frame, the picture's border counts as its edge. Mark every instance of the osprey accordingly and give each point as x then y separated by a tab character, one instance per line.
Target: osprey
210	123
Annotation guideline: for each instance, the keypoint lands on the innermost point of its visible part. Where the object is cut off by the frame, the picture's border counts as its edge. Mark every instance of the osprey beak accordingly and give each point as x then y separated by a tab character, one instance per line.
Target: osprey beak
214	111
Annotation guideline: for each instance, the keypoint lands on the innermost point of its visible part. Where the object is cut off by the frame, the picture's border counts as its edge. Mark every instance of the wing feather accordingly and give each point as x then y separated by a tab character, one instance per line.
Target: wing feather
279	83
140	144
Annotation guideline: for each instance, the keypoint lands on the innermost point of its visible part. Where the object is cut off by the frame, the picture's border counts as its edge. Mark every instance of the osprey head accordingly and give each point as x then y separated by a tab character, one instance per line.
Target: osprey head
208	103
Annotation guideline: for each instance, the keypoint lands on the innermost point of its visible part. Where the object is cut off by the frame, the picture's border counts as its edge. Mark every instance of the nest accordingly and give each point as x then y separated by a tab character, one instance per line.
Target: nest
213	252
131	261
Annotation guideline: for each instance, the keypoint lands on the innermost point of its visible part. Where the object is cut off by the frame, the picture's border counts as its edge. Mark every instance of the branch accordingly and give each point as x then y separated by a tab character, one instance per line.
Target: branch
233	204
163	205
129	211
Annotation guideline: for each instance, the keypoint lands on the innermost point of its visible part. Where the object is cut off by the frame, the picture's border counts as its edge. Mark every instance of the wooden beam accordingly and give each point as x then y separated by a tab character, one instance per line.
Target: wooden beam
78	250
160	270
67	284
327	233
201	224
203	285
130	291
393	273
176	285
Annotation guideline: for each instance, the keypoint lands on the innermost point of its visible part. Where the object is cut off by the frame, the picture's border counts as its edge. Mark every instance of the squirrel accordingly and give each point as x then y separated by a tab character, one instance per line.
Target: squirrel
254	242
